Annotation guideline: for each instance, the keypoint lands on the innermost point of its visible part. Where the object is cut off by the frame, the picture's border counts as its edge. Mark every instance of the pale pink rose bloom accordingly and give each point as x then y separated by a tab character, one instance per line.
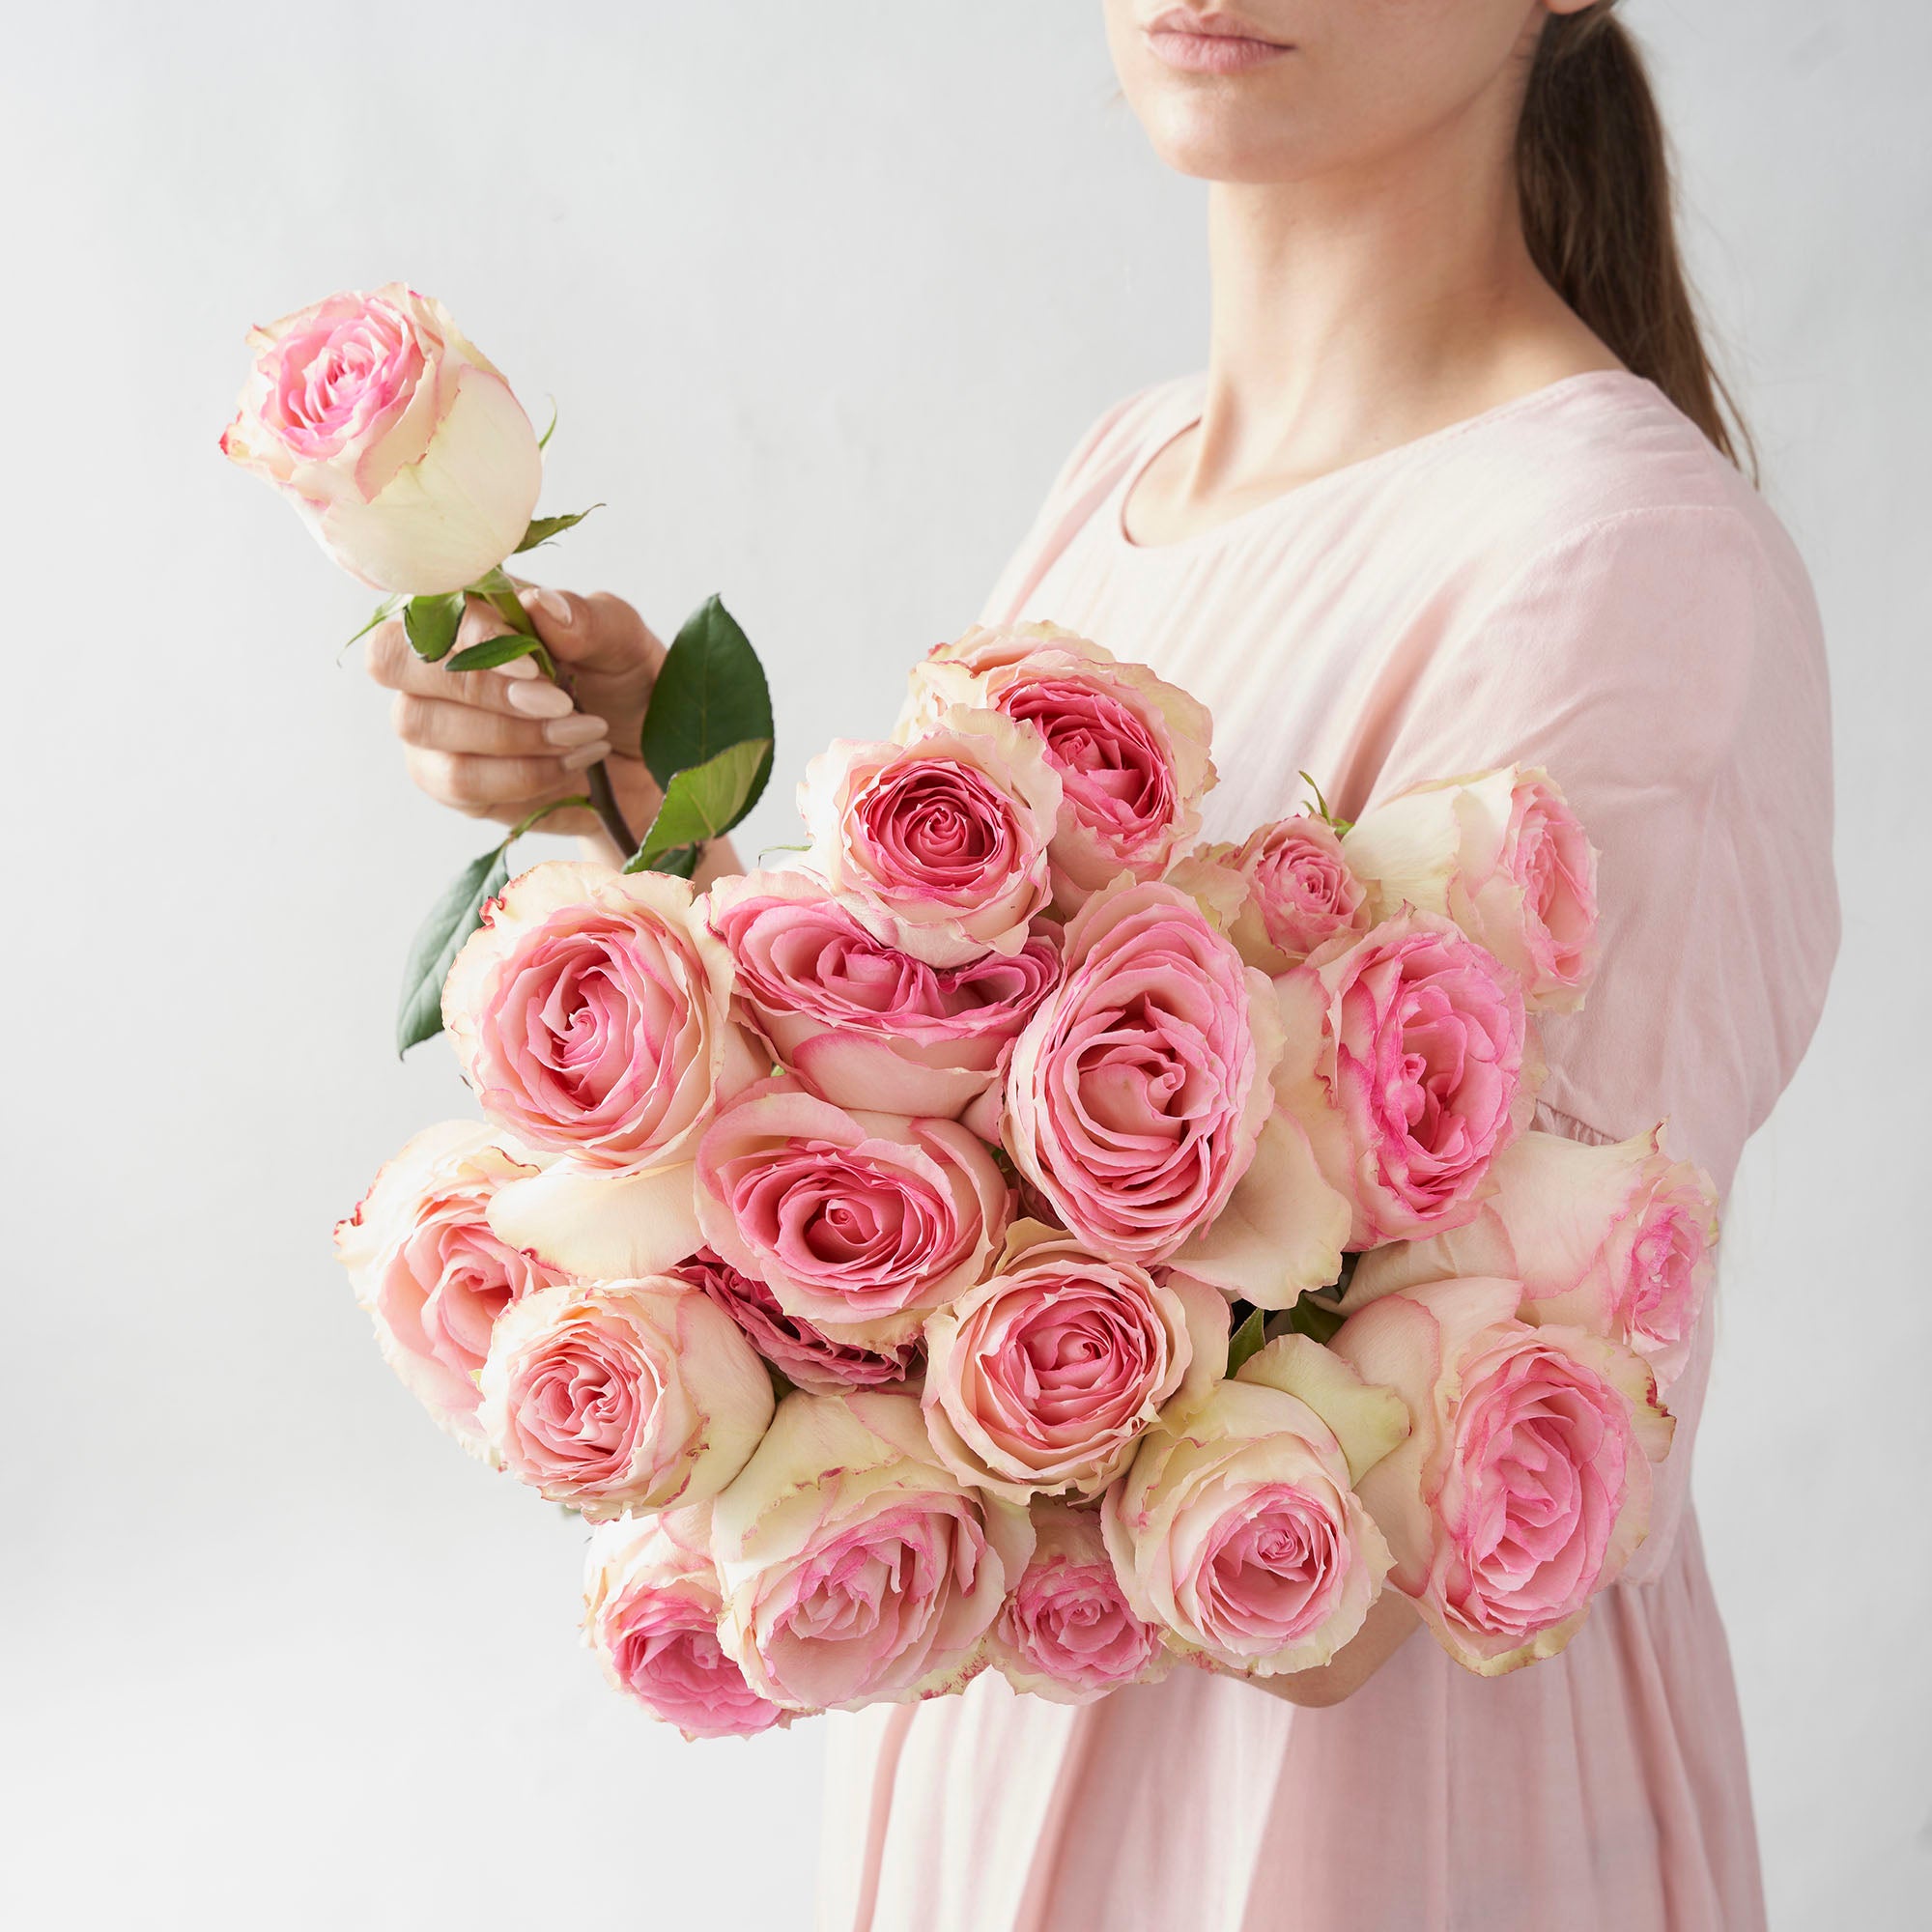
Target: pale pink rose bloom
1131	750
1615	1237
433	1276
800	1352
1042	1377
1412	1065
859	1223
1301	891
591	1015
651	1605
860	1022
624	1396
397	440
1068	1632
856	1569
1524	1484
1137	1092
1238	1527
940	845
1501	854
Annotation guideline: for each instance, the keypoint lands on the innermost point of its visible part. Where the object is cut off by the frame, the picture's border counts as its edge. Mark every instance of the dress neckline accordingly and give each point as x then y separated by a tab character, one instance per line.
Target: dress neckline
1166	432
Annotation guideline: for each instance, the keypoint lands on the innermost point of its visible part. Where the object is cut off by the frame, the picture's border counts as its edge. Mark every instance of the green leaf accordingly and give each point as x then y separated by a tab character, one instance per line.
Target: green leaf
710	693
700	801
494	651
451	920
384	610
543	528
432	623
543	441
1309	1317
1246	1340
1340	827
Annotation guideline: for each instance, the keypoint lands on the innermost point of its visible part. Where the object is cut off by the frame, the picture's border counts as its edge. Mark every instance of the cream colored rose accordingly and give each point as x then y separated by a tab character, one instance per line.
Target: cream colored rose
401	444
1502	855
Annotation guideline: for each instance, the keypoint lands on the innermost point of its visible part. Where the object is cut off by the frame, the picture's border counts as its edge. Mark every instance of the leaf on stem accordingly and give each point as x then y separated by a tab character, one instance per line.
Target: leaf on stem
550	429
1246	1340
431	623
1308	1316
710	693
494	651
701	801
543	528
384	610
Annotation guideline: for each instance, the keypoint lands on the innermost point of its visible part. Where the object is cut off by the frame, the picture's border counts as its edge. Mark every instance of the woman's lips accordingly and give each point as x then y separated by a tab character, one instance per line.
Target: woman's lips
1192	45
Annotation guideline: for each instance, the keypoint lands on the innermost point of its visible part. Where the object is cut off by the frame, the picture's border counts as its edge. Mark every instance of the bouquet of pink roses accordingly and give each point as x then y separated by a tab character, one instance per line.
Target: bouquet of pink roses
1026	1236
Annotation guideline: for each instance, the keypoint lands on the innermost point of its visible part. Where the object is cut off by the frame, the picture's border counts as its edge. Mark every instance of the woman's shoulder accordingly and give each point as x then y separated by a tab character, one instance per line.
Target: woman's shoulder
1123	431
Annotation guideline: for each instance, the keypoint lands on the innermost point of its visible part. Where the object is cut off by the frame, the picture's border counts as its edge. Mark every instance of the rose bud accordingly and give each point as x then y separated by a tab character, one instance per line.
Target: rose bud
1503	856
432	1274
1301	891
397	440
623	1396
1524	1483
651	1604
1238	1527
856	1570
1068	1632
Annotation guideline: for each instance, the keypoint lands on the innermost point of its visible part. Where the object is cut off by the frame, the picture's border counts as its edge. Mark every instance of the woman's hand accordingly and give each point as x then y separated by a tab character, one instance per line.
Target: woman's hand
1390	1623
497	744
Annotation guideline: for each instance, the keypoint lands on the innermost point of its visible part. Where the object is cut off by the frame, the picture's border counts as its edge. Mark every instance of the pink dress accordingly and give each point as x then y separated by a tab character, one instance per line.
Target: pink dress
1574	579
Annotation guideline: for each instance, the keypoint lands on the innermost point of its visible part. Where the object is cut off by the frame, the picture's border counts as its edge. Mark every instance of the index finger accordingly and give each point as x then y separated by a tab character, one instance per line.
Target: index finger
394	665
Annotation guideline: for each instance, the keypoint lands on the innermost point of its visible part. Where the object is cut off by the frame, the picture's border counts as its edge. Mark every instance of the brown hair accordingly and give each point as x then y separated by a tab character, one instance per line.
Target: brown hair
1593	174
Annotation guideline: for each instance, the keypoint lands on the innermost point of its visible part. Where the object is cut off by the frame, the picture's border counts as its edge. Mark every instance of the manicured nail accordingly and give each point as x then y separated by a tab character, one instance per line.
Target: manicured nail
587	755
554	604
520	668
541	699
576	729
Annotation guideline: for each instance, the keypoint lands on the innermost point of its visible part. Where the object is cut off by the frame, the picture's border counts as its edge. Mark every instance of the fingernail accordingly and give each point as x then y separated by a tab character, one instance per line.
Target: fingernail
587	755
554	604
576	729
520	668
541	699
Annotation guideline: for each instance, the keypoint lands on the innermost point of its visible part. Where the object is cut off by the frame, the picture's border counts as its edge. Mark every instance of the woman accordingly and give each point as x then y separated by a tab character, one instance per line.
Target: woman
1455	490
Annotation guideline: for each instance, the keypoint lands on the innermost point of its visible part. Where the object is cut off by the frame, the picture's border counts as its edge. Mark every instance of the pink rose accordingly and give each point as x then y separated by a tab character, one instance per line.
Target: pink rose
1615	1238
939	845
1524	1484
860	1022
800	1352
1137	1092
1301	892
1043	1377
622	1397
1502	855
651	1604
1238	1527
1068	1632
859	1223
403	448
856	1570
426	1263
1132	751
1411	1067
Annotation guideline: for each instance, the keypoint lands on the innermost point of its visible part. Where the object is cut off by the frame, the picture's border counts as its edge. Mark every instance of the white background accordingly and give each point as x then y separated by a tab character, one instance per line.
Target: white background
824	292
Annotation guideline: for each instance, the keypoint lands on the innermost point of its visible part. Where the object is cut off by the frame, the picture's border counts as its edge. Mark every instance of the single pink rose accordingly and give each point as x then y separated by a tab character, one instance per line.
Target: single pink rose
1137	1092
940	845
1502	855
1524	1484
1615	1237
859	1223
1412	1065
856	1569
1041	1378
623	1396
800	1352
1068	1632
591	1014
401	444
1131	750
1301	892
860	1022
1238	1529
427	1265
651	1605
